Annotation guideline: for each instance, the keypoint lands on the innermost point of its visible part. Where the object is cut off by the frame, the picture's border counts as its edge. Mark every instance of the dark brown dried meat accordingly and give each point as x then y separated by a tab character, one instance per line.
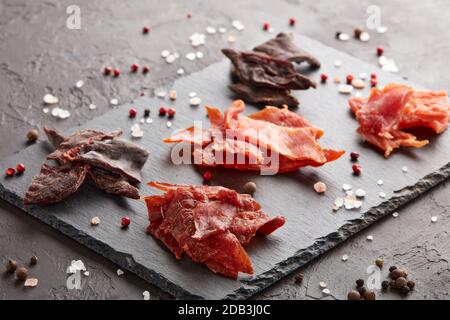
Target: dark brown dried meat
54	184
260	70
282	47
113	184
264	96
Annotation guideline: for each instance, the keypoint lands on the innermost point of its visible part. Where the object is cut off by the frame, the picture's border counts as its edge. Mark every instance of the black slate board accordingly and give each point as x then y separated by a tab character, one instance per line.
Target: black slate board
311	227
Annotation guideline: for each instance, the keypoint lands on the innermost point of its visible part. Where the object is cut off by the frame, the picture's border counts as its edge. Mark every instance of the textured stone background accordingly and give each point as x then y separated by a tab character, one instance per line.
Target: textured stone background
38	54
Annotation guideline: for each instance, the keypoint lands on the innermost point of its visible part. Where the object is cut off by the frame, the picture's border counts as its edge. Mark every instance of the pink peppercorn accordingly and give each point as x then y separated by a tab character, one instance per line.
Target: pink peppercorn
356	169
145	69
171	112
292	21
20	168
323	77
266	26
354	156
380	51
145	29
350	78
207	176
116	72
132	113
125	221
10	172
162	111
374	82
107	71
134	67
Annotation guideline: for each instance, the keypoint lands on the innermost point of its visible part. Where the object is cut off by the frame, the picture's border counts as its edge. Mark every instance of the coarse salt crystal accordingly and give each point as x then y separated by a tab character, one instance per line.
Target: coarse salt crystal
192	94
86	273
191	56
382	29
45	110
114	102
119	272
79	83
195	101
345	89
405	169
346	187
344	257
92	106
165	53
395	214
364	37
238	25
169	124
338	63
75	266
50	99
320	187
146	295
380	182
199	54
434	219
180	71
95	221
343	37
326	292
222	30
211	30
148	120
360	193
161	93
171	58
369	238
382	195
31	282
323	284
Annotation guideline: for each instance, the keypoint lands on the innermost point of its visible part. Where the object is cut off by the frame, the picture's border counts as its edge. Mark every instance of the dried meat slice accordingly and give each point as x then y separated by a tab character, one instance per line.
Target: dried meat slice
281	117
113	184
209	224
387	112
260	70
264	96
282	47
54	184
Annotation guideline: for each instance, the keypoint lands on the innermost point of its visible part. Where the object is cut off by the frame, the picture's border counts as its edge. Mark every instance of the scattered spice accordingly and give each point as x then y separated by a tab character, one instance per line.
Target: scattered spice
146	113
350	78
380	51
134	67
373	76
323	77
207	176
374	82
32	135
50	99
266	26
323	284
116	72
385	284
392	268
145	29
125	221
173	95
356	169
369	295
411	284
145	69
107	71
379	262
292	21
34	260
20	168
132	113
9	172
250	187
10	266
398	273
357	32
353	295
21	274
171	112
354	156
401	282
162	111
344	257
95	221
320	187
31	282
360	283
405	290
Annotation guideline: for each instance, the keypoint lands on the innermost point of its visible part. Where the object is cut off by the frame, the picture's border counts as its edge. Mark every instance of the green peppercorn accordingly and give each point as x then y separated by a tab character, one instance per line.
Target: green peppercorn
34	260
353	295
411	284
385	284
360	283
392	268
369	295
22	274
10	266
401	282
405	290
379	262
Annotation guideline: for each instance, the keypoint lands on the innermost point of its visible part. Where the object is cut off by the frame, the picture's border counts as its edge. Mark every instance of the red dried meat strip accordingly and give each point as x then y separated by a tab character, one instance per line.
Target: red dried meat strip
387	112
264	96
209	224
257	139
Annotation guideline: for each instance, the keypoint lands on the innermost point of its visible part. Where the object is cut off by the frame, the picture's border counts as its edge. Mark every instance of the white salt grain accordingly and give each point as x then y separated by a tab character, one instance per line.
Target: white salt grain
370	238
344	257
146	295
434	219
195	101
119	272
165	53
92	106
50	99
79	84
346	187
382	195
360	193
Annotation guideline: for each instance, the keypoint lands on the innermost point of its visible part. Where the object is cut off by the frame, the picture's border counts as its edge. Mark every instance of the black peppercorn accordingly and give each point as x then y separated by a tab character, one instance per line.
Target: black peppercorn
385	284
34	260
361	290
360	283
392	268
146	113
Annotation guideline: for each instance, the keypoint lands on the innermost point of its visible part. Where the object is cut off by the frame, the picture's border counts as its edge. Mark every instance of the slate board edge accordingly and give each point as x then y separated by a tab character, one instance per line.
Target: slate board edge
122	259
264	280
351	228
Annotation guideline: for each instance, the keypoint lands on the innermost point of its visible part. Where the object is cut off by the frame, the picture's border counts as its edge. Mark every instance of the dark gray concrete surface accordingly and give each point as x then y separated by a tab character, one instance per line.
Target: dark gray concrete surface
39	54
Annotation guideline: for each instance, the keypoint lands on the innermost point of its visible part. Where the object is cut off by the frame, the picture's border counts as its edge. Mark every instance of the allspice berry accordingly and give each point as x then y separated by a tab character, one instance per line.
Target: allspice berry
250	187
405	290
397	273
10	266
359	283
299	278
411	284
401	282
393	284
353	295
357	32
22	274
32	135
369	295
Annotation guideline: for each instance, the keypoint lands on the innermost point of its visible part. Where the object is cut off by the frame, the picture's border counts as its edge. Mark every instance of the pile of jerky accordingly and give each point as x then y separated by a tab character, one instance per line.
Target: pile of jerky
111	163
267	74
